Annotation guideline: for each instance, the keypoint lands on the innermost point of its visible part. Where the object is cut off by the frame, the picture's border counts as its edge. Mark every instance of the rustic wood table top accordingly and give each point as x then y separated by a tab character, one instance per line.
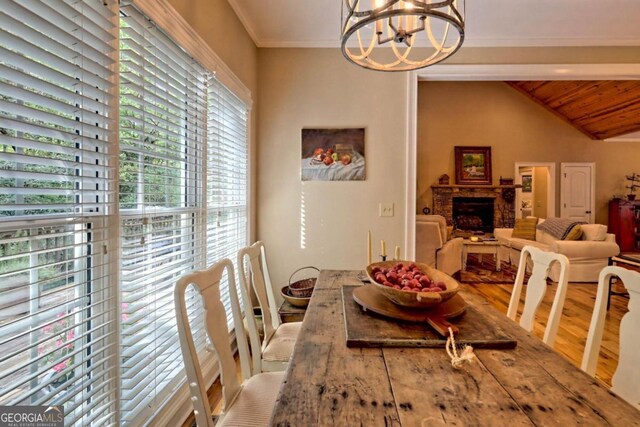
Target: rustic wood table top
328	384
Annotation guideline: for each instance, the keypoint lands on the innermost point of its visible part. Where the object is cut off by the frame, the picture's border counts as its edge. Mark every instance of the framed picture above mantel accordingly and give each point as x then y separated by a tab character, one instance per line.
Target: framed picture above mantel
473	165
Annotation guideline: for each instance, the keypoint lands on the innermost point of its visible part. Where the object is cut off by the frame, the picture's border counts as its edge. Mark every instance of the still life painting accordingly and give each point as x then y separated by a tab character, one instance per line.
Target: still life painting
473	165
333	155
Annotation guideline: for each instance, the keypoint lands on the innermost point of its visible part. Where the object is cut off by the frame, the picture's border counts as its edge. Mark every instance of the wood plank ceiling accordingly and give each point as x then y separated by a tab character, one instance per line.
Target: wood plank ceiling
599	109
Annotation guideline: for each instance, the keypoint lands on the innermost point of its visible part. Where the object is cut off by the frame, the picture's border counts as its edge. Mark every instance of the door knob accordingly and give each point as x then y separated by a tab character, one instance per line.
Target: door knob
587	211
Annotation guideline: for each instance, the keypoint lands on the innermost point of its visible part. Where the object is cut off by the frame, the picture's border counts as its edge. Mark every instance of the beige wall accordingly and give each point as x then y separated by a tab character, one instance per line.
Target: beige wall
325	223
491	113
540	192
216	22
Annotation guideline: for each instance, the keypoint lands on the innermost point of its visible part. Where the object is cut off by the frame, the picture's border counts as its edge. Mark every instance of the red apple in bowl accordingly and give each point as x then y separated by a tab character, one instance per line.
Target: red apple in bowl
432	288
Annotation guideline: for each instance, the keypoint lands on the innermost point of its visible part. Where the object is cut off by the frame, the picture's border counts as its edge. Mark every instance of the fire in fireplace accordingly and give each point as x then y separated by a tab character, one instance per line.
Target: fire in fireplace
473	213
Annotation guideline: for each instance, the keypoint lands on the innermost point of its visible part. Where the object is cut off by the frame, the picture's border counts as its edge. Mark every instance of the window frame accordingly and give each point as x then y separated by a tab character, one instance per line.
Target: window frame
171	23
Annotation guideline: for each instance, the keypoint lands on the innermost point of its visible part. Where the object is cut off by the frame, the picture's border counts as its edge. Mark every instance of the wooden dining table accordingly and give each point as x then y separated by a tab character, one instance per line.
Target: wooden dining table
330	384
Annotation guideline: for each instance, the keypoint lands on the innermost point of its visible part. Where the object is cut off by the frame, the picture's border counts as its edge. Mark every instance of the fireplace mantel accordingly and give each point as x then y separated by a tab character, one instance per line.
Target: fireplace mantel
504	206
481	187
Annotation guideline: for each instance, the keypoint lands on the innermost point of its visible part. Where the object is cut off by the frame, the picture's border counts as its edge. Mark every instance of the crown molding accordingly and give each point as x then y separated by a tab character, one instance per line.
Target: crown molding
246	22
502	72
488	43
551	42
469	42
309	44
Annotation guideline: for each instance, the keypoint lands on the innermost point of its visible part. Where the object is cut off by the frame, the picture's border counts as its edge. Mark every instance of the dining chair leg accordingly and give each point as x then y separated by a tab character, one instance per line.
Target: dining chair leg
596	327
517	290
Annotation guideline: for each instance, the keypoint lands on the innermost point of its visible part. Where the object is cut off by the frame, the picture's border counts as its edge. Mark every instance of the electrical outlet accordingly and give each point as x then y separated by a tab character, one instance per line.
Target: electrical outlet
386	209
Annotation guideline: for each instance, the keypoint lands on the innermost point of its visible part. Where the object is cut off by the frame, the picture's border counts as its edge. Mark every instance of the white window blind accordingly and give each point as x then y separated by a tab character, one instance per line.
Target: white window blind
163	108
82	324
57	157
227	178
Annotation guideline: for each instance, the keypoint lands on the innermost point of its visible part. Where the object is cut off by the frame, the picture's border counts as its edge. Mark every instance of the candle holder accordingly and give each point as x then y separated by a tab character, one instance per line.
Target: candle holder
384	257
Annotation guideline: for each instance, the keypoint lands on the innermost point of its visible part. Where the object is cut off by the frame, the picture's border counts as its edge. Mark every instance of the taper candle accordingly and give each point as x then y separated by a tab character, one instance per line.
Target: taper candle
368	247
383	248
398	252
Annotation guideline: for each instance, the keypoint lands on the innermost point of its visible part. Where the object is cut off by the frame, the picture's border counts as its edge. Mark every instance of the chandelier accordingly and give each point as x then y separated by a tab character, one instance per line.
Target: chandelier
397	35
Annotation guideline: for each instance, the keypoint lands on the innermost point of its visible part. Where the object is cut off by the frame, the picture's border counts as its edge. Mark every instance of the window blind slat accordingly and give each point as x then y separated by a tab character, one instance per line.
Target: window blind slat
182	162
162	134
57	111
227	178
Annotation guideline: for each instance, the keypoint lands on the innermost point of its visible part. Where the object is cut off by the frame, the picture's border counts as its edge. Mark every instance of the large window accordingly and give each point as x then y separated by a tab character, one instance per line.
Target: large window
227	179
96	225
57	157
162	140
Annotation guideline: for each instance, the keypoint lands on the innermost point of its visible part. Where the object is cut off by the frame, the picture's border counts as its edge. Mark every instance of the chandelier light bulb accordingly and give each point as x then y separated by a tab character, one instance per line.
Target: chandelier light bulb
401	35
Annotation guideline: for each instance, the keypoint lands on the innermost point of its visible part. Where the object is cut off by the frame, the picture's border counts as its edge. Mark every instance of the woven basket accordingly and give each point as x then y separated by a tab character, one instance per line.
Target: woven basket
302	288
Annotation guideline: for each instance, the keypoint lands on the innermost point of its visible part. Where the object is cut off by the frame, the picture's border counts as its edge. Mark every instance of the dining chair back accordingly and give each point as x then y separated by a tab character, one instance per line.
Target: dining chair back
625	381
249	403
537	288
275	349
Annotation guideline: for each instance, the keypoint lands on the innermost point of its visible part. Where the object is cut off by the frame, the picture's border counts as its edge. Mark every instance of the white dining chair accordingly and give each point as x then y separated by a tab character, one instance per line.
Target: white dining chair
275	349
537	288
249	403
626	380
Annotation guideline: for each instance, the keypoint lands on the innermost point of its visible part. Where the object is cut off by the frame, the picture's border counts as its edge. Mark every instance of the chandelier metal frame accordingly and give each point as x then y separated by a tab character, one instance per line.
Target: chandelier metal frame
388	17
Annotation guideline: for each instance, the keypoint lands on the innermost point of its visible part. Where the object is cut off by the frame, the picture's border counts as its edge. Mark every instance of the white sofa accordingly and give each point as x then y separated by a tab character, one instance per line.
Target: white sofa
434	248
586	257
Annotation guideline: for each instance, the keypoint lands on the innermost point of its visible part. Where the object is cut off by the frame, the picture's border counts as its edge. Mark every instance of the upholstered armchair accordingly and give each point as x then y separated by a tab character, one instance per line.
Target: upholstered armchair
434	247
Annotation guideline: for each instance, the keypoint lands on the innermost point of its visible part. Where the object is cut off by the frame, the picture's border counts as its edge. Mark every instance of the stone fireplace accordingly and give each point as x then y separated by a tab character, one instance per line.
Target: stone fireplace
481	208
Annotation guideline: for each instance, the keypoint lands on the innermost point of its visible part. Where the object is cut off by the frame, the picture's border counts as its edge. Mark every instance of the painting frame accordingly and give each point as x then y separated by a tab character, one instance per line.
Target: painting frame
473	165
333	154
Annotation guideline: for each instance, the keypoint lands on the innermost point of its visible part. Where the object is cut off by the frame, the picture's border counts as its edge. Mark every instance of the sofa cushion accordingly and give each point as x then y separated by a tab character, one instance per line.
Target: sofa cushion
574	234
518	244
544	238
539	233
594	232
525	228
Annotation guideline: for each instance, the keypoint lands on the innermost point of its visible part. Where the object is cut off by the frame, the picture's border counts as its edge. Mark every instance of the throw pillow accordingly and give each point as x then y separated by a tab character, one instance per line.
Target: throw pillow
594	232
525	228
575	233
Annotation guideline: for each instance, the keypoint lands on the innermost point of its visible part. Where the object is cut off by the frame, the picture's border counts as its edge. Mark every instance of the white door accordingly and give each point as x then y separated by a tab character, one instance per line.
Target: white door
577	189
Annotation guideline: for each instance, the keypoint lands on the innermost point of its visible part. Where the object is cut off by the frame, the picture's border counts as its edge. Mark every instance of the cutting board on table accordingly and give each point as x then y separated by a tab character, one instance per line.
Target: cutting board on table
370	299
366	328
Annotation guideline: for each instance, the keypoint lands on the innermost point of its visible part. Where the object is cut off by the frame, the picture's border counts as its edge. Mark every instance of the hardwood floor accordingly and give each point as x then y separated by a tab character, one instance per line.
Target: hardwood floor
574	324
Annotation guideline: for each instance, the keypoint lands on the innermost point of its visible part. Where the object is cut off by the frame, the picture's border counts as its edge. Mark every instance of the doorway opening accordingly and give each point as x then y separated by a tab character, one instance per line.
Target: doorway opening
537	196
501	72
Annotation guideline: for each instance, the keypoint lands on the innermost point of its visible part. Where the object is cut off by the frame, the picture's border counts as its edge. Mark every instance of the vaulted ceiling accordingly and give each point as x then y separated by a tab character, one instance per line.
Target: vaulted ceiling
599	109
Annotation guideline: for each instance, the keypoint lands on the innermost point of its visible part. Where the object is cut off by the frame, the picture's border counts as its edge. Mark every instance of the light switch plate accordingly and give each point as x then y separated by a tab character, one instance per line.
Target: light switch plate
386	209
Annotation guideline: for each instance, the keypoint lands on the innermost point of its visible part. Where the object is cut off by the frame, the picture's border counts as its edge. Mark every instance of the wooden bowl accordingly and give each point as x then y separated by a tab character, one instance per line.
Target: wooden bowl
294	301
416	299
